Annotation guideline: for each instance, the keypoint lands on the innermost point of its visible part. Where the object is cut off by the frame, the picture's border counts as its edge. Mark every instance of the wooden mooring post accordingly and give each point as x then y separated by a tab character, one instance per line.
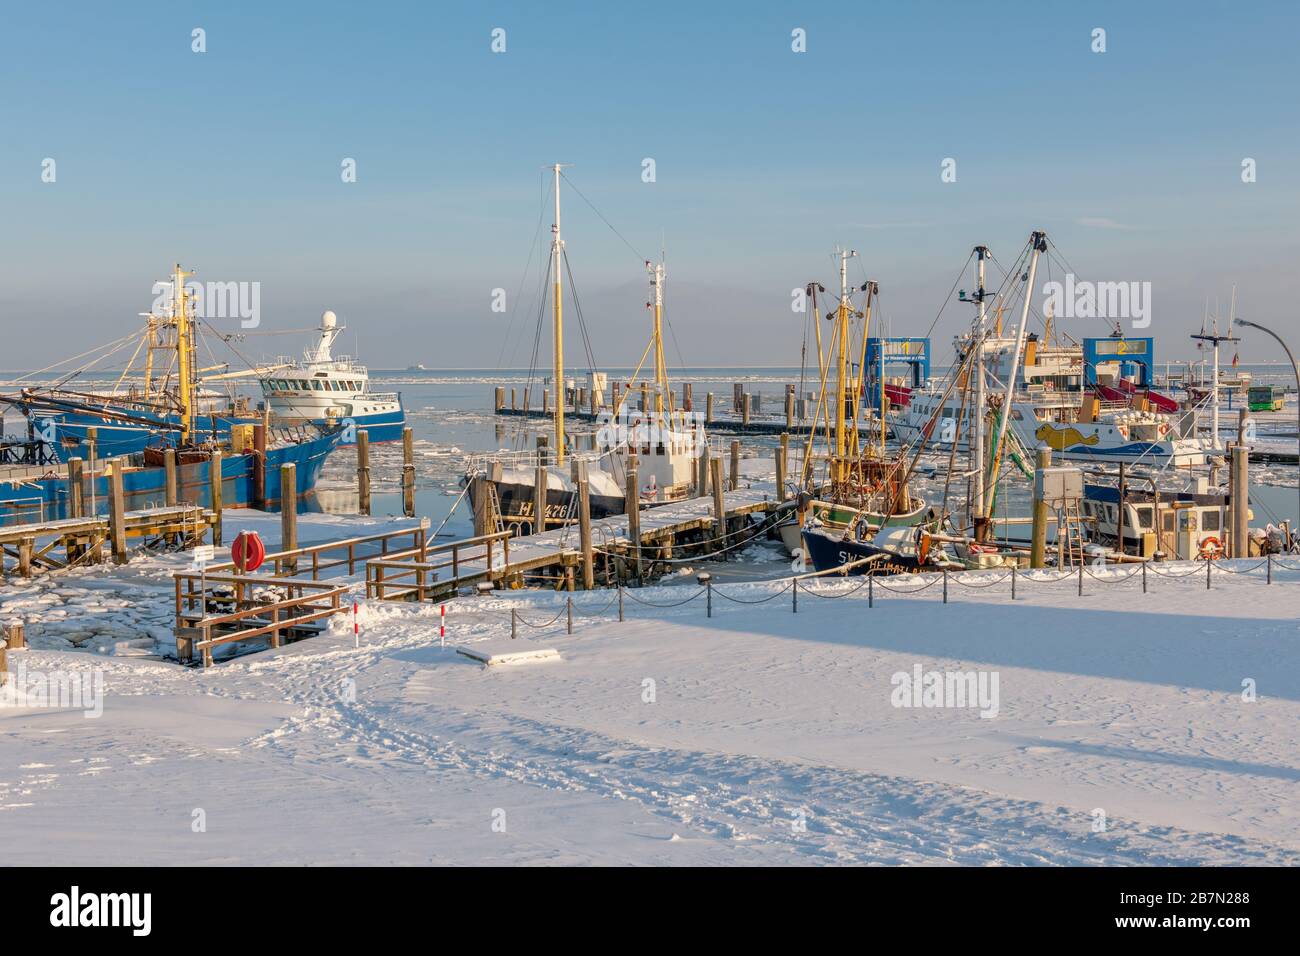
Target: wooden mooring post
289	510
216	494
363	471
584	527
735	464
541	479
1038	545
719	501
408	469
92	445
117	513
632	506
169	477
259	467
780	467
13	634
76	488
708	408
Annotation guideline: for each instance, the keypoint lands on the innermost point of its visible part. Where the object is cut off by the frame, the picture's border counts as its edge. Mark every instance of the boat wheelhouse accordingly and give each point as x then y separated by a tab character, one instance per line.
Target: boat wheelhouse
1183	525
324	389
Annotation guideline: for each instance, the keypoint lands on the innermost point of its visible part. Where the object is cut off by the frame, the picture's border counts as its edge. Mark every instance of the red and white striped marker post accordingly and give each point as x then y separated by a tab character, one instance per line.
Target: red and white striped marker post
356	627
442	625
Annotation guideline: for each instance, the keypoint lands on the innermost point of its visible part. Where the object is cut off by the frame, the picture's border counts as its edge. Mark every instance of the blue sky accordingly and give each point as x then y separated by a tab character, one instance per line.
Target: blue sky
229	161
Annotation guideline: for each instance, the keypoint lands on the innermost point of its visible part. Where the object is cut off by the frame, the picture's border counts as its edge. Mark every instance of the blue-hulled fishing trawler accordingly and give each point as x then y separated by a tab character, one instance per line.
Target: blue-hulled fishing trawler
134	431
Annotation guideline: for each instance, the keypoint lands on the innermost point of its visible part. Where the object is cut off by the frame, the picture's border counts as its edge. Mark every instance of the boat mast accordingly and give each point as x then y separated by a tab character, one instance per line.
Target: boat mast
656	270
839	472
975	428
1215	338
1038	244
557	252
184	351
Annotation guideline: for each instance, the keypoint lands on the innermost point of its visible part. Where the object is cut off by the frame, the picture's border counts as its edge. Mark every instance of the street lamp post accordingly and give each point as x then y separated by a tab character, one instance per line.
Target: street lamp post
1296	369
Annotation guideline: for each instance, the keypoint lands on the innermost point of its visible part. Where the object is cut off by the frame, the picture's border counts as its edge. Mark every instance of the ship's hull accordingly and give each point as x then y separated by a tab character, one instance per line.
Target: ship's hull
65	431
518	506
826	551
383	426
46	499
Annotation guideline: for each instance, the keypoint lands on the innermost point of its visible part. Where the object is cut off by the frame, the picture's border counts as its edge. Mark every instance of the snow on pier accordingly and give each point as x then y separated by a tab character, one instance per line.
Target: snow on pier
1154	727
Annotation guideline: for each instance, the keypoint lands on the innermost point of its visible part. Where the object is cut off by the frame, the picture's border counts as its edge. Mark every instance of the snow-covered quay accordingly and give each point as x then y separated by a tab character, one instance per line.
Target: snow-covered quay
1128	727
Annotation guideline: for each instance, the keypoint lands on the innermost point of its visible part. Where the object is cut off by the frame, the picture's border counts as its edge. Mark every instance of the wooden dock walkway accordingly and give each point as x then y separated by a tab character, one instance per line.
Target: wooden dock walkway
83	539
758	424
556	554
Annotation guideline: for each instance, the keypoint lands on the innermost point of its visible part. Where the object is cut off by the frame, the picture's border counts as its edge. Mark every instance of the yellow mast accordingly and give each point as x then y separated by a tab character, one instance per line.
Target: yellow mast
184	352
656	271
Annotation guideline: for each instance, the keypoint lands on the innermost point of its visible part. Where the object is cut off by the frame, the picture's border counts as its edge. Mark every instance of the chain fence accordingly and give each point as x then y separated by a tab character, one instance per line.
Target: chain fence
815	585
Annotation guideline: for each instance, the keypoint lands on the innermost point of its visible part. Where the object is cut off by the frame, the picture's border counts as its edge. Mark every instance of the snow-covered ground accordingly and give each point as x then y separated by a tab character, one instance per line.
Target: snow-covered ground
757	736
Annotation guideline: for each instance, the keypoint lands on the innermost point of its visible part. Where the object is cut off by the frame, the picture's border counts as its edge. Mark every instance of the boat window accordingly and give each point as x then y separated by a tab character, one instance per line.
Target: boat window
1144	515
1210	520
1167	521
316	385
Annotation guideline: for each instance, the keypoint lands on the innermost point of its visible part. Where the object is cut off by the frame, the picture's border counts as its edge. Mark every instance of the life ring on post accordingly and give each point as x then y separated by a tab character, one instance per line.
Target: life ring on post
1210	547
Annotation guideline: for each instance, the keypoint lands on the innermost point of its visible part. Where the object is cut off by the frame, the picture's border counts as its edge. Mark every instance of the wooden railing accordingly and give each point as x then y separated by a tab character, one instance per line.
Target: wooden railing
314	558
305	602
416	575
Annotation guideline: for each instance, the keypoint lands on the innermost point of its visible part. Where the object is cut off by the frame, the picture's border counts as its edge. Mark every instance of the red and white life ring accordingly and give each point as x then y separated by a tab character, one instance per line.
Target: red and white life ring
1164	429
1210	547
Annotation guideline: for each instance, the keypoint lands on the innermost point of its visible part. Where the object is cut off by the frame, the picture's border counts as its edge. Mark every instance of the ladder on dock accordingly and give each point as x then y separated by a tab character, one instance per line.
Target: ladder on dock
494	503
1070	535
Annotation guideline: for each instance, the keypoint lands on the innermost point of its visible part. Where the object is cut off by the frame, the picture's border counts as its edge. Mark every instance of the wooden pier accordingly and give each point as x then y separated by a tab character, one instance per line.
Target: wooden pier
557	556
217	605
82	540
745	419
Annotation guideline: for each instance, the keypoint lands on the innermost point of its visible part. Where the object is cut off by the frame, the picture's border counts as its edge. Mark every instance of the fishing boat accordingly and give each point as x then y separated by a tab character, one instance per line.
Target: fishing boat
315	393
1088	402
865	493
141	430
883	551
322	389
1143	519
531	490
